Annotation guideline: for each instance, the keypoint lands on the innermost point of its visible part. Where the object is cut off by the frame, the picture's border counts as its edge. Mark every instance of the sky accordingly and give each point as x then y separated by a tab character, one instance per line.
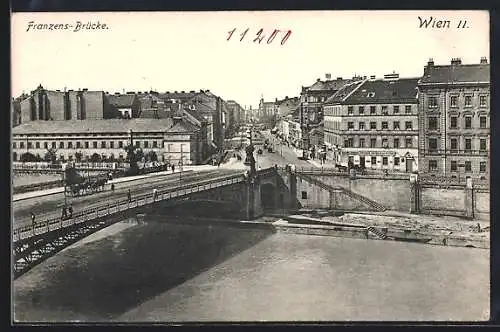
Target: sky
184	51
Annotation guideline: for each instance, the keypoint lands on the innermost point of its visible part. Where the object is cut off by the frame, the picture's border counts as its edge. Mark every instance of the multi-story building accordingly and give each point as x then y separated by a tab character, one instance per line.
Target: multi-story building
374	123
171	139
454	119
43	104
125	106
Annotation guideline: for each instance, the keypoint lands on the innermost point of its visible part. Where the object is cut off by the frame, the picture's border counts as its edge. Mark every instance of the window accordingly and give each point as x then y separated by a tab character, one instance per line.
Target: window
396	161
468	101
30	145
408	125
384	110
361	142
37	145
348	143
385	125
409	142
137	144
86	145
361	126
453	122
454	144
45	145
482	122
21	145
453	101
61	145
433	102
94	144
483	102
78	145
482	144
433	166
350	110
468	144
395	125
453	166
146	144
53	145
373	142
120	144
14	145
373	109
408	109
373	125
350	125
304	195
468	122
374	160
482	166
384	161
70	145
103	144
396	143
433	144
385	143
361	109
468	166
433	123
111	144
155	144
395	109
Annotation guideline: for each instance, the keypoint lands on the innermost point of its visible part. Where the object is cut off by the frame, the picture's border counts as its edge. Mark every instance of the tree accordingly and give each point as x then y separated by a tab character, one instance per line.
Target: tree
151	156
95	158
28	157
78	156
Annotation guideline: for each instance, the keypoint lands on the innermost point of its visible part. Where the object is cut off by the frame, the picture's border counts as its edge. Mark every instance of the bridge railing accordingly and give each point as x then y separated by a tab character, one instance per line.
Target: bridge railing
104	210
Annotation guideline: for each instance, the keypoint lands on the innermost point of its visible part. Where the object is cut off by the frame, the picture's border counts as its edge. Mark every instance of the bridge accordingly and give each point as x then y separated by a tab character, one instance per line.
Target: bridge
36	242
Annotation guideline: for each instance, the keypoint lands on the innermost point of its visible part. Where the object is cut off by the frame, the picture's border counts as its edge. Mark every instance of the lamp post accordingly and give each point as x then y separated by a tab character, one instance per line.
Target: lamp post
64	184
180	166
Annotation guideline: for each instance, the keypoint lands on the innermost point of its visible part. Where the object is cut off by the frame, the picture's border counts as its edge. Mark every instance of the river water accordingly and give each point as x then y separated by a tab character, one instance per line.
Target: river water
160	271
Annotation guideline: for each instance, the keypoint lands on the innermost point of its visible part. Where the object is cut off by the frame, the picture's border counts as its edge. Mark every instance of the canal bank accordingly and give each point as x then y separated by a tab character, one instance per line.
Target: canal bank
164	269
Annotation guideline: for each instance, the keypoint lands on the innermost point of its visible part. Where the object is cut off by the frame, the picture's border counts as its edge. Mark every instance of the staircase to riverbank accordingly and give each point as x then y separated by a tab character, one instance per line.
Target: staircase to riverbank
378	233
371	203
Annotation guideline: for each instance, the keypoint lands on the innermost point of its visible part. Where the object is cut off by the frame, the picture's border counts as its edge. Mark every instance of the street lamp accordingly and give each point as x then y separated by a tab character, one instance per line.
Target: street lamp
64	184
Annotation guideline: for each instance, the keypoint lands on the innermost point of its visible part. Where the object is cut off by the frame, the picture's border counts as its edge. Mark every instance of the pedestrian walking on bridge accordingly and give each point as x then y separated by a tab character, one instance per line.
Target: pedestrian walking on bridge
129	196
33	219
155	194
64	213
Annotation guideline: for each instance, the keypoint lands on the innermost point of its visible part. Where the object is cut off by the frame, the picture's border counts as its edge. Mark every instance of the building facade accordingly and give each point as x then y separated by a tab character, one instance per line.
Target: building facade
374	124
84	139
454	137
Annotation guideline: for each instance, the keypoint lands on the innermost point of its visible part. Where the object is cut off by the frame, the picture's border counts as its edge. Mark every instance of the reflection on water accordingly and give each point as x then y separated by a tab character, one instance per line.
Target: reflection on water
171	272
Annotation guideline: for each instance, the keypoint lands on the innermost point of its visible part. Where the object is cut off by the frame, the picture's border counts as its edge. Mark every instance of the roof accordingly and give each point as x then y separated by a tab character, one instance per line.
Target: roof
403	90
154	114
343	92
329	85
182	127
456	74
126	100
93	126
195	115
177	95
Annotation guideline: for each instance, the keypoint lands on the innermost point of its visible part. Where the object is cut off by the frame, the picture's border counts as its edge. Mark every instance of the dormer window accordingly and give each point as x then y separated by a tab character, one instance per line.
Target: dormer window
371	94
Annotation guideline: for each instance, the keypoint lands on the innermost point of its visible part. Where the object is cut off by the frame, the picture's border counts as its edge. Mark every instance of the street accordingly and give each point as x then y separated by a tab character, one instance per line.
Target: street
45	207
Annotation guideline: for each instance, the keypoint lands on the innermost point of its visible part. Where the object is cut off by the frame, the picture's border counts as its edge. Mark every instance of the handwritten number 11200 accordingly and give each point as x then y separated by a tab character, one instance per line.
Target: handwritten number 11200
260	35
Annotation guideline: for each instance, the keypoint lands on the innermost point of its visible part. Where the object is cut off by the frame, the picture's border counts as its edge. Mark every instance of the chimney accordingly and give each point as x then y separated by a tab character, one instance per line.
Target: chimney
201	90
58	90
430	63
372	77
183	92
192	91
456	61
328	76
484	60
207	90
339	78
318	80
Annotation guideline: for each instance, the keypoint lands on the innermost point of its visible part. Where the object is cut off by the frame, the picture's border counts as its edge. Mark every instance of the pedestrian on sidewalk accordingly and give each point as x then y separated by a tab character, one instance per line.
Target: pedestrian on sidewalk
70	210
129	196
113	187
155	194
173	168
33	219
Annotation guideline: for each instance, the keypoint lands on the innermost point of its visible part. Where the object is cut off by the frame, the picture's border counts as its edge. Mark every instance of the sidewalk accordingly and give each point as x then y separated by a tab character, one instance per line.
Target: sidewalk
52	191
